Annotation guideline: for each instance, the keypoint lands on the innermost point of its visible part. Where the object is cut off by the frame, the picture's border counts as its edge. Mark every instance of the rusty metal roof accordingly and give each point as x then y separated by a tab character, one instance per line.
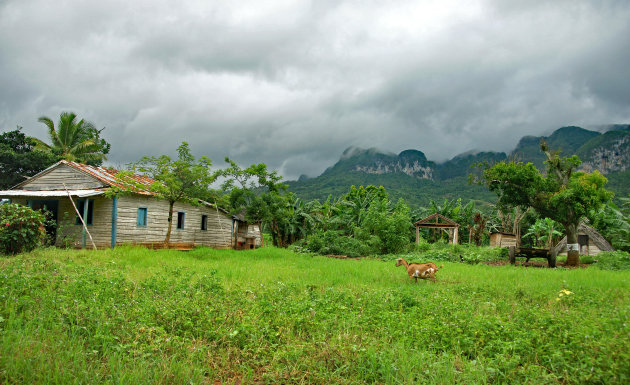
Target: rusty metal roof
108	175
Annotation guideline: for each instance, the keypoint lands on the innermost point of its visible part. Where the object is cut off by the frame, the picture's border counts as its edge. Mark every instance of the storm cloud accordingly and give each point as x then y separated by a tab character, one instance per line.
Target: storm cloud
294	83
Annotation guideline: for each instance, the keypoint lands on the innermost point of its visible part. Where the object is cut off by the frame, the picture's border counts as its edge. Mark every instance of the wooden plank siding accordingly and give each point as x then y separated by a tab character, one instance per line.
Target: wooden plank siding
217	235
100	229
55	179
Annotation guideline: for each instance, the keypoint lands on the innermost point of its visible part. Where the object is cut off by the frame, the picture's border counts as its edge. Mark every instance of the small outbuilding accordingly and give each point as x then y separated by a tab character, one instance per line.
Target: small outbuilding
499	239
589	240
438	221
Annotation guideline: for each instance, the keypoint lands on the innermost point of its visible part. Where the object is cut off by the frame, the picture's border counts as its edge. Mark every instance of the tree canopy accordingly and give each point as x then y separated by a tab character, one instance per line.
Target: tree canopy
19	159
562	194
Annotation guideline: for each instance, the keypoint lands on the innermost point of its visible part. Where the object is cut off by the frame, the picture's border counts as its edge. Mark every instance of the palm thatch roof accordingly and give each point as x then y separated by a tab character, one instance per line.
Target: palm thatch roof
593	235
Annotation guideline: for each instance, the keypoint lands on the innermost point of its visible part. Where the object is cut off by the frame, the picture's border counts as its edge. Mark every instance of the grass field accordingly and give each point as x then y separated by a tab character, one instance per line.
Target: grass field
130	315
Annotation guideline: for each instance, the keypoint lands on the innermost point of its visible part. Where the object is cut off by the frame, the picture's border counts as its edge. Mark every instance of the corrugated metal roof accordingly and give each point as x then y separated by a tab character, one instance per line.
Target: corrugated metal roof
51	193
108	175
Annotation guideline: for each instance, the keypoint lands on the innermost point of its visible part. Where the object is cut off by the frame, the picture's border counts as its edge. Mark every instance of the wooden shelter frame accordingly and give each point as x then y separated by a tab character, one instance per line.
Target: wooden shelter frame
433	222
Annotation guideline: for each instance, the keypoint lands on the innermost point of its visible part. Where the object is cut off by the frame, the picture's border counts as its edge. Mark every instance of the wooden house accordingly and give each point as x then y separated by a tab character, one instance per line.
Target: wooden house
499	239
138	218
590	242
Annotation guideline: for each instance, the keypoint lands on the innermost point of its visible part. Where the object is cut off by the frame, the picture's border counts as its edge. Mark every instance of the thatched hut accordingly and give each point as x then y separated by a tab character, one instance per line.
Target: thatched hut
589	240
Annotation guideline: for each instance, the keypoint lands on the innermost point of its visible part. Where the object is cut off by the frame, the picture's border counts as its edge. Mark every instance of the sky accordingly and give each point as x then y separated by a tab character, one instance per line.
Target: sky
294	83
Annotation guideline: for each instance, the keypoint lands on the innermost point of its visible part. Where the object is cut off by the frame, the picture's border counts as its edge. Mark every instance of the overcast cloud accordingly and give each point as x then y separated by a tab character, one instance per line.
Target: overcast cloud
293	83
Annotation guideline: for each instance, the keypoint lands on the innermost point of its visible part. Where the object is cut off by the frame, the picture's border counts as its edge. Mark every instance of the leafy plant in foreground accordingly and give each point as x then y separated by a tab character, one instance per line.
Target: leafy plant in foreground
21	228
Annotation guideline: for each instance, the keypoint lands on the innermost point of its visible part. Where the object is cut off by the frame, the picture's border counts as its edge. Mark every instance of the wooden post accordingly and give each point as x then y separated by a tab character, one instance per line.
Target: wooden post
80	217
86	205
512	253
455	234
417	235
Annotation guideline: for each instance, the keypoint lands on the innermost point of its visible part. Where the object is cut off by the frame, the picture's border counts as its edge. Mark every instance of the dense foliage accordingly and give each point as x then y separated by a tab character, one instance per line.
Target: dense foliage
562	194
613	223
21	228
363	222
132	315
19	159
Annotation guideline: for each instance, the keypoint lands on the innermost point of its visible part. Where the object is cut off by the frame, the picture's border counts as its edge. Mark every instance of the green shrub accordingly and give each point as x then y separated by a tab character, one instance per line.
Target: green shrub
440	251
613	260
21	228
332	242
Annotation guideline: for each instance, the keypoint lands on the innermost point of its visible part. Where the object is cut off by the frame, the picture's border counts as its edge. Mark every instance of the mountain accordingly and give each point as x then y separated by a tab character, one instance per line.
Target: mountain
410	162
411	176
607	153
566	139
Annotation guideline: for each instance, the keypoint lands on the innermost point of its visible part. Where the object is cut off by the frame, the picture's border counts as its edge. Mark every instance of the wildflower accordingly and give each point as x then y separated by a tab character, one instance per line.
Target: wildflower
562	293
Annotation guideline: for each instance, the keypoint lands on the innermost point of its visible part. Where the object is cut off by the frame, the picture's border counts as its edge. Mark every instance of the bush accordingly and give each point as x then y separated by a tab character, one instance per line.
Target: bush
440	251
331	242
613	260
21	228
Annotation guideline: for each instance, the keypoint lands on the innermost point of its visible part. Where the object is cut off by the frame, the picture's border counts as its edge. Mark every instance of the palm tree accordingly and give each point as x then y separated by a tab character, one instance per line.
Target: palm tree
74	140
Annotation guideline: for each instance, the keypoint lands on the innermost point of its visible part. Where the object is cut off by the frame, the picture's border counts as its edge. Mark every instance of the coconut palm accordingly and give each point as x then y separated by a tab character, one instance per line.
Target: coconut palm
74	140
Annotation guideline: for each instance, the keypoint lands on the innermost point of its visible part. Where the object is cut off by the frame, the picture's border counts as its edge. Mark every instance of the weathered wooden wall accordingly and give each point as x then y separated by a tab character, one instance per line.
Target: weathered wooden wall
55	179
502	240
218	234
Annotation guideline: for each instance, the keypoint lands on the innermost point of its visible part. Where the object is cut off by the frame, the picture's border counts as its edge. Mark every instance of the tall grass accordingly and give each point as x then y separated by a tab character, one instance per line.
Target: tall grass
132	315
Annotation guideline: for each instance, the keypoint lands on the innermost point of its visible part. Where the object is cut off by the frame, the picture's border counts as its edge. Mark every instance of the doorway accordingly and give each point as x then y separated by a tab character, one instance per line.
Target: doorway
51	209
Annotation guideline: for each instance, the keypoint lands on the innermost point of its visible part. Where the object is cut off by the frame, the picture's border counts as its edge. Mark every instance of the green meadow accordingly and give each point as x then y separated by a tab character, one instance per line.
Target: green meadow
271	316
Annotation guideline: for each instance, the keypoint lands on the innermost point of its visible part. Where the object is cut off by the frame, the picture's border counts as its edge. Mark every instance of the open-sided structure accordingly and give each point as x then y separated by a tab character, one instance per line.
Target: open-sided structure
438	221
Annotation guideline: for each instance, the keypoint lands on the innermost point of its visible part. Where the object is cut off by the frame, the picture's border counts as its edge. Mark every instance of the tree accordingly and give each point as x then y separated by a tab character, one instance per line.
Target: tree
19	159
73	140
563	194
179	180
257	192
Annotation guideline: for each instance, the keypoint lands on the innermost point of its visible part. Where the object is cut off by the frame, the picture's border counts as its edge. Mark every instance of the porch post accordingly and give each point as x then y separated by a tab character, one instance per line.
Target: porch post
86	204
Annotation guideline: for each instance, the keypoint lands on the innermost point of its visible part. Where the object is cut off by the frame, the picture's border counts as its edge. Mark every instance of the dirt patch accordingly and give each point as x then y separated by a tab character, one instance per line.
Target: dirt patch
342	256
533	264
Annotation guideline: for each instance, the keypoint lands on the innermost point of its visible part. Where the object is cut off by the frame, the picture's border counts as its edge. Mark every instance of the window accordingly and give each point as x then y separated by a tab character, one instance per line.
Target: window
180	219
204	222
90	212
142	217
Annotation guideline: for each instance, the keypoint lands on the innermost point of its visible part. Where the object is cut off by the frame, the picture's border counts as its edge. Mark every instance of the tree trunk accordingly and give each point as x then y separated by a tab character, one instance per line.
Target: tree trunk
573	249
170	223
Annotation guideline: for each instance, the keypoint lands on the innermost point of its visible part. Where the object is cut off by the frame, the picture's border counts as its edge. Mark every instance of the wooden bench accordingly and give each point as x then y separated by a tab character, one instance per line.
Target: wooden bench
529	253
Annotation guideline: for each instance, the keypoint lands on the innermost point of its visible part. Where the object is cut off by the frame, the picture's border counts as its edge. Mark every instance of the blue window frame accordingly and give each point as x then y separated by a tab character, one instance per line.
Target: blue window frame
142	217
181	216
